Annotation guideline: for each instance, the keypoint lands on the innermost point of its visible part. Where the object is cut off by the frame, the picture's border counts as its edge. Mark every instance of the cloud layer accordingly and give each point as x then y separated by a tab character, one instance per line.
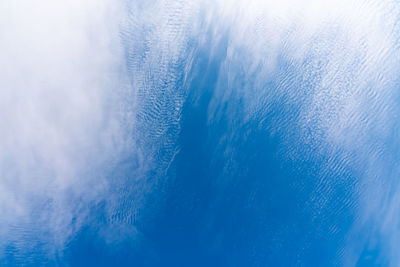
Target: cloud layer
333	66
91	96
60	128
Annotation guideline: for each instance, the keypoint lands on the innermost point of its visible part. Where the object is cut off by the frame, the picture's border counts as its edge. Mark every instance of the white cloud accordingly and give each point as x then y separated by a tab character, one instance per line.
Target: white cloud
60	130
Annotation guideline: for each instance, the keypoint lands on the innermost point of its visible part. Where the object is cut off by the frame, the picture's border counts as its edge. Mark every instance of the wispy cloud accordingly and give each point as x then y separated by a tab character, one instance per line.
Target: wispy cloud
334	66
59	126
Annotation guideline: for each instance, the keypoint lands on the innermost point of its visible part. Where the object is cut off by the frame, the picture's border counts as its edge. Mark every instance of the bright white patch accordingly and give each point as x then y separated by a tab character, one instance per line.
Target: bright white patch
60	131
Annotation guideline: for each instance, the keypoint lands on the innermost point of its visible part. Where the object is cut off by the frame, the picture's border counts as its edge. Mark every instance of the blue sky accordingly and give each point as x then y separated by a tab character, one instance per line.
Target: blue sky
199	133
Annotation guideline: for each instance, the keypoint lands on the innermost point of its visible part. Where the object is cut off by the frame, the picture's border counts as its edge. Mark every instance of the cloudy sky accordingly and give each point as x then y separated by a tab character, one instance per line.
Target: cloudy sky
146	125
